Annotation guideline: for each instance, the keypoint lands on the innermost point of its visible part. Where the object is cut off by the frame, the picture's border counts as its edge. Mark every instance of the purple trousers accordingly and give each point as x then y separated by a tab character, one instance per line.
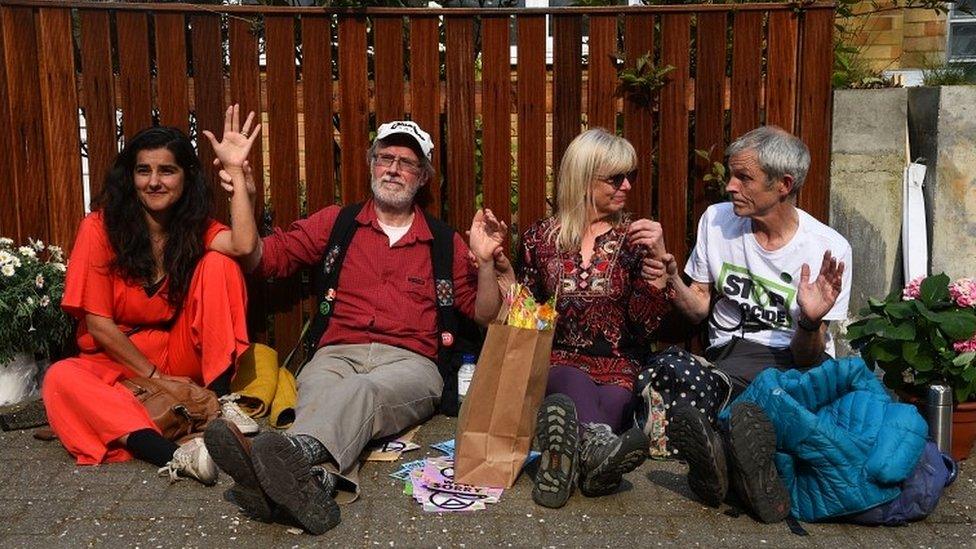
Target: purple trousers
595	403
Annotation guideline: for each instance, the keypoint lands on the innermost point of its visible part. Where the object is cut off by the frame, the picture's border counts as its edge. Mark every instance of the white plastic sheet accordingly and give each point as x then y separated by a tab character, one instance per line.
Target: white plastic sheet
18	379
914	234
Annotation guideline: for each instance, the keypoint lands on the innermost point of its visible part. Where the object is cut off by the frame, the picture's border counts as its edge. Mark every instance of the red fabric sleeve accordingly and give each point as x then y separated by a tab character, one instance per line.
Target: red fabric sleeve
213	229
88	284
302	245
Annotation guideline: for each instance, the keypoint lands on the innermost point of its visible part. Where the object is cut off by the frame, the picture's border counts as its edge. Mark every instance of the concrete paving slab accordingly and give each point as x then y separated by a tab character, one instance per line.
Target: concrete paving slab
48	501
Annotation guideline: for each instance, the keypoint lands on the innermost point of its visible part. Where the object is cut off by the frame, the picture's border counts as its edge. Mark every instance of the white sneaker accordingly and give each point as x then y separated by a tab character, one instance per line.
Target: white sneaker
233	413
191	460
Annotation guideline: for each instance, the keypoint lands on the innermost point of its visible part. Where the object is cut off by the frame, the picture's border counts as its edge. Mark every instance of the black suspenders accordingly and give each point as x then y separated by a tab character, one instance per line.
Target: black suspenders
326	281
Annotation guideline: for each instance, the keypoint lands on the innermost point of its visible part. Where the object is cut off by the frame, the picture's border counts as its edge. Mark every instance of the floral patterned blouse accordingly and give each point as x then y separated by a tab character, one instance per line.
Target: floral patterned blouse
607	311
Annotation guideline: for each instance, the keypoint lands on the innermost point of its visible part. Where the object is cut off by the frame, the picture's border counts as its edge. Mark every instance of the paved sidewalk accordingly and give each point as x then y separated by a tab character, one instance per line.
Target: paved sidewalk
47	501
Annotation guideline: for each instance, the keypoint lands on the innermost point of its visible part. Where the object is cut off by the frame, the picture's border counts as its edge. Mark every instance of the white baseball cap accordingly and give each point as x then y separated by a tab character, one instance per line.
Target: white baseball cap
411	129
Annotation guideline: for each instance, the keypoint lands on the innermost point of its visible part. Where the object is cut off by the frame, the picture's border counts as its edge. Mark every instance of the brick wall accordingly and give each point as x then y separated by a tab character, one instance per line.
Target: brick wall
899	38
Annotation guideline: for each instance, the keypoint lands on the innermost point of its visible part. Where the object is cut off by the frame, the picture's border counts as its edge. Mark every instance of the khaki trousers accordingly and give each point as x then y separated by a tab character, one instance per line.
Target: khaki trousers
349	395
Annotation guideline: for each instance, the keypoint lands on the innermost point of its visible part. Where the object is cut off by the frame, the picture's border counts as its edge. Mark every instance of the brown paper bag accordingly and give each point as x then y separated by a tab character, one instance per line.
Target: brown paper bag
497	419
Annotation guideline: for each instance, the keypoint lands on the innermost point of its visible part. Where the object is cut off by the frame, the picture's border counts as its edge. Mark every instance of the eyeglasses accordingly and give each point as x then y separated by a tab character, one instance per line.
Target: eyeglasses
387	160
617	180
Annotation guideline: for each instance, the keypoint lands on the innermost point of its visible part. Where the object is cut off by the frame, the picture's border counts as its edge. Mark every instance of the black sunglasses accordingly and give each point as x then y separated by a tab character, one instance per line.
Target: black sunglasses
617	180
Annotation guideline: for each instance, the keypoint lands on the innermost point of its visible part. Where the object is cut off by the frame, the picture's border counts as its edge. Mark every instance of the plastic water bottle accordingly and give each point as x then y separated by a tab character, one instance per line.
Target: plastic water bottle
940	417
464	375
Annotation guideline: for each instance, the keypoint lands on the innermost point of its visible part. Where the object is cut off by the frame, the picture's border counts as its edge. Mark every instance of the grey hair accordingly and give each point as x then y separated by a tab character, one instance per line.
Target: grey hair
778	152
426	168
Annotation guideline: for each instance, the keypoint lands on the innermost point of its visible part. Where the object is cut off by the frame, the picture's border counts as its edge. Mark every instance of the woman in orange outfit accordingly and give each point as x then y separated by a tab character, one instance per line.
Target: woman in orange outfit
152	282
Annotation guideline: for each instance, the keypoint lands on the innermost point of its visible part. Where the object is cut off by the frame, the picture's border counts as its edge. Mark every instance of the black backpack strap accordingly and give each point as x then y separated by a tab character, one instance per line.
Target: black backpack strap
325	280
442	255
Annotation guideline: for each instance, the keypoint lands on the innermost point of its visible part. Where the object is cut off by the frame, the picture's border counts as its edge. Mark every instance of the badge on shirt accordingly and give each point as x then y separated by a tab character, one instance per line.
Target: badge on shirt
326	306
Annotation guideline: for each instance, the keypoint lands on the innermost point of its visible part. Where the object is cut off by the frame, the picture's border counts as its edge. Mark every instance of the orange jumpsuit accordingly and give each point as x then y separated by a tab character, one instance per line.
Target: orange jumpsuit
86	405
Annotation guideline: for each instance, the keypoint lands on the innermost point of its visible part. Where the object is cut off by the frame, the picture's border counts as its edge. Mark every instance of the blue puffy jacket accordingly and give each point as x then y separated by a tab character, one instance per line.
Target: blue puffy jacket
842	445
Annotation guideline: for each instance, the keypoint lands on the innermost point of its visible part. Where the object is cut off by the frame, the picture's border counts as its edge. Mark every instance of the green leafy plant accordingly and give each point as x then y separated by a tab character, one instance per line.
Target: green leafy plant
717	176
923	334
852	70
641	81
31	287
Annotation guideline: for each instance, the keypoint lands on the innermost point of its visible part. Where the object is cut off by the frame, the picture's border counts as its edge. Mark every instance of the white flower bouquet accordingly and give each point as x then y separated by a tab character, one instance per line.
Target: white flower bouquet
31	286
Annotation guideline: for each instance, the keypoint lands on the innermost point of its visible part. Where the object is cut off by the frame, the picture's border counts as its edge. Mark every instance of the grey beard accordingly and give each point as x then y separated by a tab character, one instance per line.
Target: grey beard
395	201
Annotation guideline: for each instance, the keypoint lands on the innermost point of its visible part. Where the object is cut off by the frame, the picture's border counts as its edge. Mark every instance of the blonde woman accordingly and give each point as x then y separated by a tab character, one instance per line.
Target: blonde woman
591	253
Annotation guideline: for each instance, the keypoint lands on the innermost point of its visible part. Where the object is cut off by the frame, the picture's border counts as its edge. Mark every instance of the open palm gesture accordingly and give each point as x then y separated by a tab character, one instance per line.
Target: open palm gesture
487	234
818	297
235	144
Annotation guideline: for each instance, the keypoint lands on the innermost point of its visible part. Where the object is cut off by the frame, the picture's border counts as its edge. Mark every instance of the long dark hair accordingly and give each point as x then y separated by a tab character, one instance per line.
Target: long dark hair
125	218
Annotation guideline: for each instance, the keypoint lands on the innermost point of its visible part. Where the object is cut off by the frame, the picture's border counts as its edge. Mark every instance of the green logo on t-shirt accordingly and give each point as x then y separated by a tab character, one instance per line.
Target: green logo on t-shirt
764	303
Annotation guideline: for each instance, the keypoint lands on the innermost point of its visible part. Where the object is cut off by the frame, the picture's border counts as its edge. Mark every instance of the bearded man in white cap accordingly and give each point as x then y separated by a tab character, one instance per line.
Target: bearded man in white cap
373	372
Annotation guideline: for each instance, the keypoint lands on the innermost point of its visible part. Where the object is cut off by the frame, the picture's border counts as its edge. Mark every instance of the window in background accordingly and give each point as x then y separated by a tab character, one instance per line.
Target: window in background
961	46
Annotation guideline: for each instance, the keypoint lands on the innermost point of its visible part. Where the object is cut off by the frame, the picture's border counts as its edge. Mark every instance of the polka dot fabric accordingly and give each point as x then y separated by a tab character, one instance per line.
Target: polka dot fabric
674	376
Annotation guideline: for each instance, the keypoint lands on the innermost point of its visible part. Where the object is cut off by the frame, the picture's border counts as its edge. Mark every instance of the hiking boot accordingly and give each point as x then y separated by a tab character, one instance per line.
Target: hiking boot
191	460
326	480
230	411
287	478
752	445
557	437
231	451
605	457
702	448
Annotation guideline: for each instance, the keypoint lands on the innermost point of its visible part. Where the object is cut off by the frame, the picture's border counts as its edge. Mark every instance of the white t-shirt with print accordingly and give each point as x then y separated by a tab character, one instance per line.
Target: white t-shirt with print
757	287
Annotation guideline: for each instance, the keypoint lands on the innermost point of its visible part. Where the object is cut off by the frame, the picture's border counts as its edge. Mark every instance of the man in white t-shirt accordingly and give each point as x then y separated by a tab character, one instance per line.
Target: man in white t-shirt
753	260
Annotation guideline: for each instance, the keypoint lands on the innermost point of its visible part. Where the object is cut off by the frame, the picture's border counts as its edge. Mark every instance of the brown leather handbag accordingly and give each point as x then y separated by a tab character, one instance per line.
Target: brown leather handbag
179	409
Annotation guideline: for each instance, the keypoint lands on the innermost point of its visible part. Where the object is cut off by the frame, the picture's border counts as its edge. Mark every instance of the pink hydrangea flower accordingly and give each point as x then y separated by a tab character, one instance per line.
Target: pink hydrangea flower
913	289
965	346
963	292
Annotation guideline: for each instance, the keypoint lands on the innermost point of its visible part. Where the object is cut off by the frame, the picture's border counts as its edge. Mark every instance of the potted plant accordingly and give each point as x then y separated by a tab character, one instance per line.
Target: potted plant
32	323
924	335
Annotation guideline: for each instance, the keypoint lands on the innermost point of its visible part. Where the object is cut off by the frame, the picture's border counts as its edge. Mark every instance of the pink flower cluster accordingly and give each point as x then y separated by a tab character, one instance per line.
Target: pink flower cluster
965	346
963	292
913	289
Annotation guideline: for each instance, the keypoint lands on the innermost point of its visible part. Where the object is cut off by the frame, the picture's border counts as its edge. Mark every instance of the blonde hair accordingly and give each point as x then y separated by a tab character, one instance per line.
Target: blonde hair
593	152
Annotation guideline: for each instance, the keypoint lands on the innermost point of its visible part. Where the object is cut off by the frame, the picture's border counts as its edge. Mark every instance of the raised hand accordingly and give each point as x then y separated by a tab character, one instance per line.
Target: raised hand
504	270
227	182
487	234
818	297
235	144
649	234
653	268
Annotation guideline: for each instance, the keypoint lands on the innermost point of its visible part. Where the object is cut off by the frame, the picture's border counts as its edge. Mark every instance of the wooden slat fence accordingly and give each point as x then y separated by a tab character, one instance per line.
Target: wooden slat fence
500	107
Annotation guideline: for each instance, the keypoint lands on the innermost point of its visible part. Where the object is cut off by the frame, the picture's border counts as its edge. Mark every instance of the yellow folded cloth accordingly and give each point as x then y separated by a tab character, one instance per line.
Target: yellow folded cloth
256	379
283	405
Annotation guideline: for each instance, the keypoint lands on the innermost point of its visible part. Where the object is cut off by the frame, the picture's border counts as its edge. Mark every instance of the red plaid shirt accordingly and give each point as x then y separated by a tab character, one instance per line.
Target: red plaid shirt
385	294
